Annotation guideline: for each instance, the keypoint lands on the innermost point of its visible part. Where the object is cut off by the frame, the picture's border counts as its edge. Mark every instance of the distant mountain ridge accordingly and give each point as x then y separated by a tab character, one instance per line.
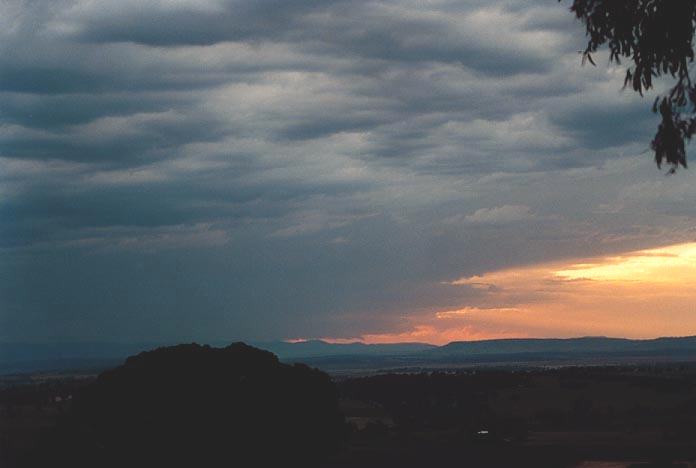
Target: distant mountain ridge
587	344
507	346
27	357
316	348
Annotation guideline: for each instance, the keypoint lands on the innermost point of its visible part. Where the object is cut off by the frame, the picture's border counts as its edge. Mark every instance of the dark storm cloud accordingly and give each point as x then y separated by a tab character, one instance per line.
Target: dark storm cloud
30	110
205	23
114	140
379	31
634	123
237	169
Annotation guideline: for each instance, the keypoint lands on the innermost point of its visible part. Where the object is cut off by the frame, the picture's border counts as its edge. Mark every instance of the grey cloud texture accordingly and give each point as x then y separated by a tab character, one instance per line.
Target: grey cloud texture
274	169
498	215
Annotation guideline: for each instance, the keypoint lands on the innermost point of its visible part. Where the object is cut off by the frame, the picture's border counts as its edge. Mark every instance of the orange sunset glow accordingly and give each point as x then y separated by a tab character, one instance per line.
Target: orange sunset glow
641	294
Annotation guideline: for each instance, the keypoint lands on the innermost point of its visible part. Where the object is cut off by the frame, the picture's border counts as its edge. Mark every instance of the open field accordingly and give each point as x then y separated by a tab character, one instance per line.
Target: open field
576	416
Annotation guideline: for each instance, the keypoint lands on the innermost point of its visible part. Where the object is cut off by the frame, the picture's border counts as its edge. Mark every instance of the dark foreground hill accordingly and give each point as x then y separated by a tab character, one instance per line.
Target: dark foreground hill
192	405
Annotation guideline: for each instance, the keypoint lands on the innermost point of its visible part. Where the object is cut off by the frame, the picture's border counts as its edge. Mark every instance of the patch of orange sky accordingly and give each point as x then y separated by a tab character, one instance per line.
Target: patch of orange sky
641	294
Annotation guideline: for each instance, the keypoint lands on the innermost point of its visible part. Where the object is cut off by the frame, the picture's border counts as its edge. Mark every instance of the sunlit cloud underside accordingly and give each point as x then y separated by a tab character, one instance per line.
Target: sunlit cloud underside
641	294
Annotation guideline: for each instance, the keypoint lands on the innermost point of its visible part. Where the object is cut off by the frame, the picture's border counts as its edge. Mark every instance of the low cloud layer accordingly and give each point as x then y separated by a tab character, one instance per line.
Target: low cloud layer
224	169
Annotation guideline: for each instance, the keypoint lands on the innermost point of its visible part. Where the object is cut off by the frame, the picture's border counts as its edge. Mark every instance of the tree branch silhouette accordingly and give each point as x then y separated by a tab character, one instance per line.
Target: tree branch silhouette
656	36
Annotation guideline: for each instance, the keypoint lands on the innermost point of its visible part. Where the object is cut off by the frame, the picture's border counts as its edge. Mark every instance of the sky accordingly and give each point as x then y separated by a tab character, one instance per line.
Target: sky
213	170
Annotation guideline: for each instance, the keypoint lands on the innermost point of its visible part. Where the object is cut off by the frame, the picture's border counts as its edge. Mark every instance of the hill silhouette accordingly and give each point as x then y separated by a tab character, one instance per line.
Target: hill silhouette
192	405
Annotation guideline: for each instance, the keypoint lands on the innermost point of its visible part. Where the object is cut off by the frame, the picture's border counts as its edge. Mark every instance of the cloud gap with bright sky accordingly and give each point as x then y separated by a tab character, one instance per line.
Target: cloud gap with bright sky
351	170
